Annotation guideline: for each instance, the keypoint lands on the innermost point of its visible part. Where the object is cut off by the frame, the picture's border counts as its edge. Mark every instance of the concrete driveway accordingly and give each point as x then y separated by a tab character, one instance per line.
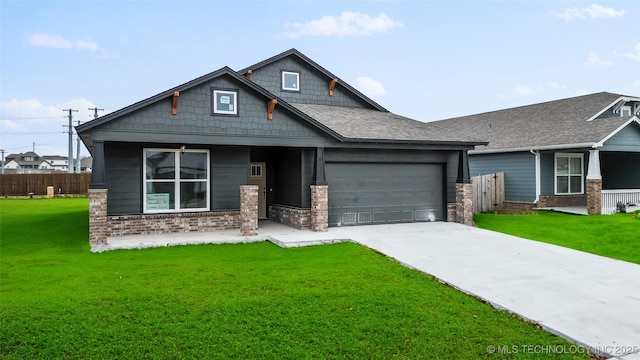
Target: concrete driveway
590	300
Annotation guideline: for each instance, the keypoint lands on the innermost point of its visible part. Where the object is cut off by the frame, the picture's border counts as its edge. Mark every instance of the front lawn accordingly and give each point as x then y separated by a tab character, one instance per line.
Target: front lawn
615	236
245	301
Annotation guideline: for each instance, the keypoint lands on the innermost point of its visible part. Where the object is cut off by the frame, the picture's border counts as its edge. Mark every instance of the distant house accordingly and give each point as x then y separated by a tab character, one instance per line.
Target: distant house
582	151
31	162
26	162
315	150
58	163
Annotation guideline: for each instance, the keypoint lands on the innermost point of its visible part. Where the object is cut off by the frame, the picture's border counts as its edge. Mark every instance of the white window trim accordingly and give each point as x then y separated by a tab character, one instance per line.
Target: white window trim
176	182
297	74
625	108
555	173
225	112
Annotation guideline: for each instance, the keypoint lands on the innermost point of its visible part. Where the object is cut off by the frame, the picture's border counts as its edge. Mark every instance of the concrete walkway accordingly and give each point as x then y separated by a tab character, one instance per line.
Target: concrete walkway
590	300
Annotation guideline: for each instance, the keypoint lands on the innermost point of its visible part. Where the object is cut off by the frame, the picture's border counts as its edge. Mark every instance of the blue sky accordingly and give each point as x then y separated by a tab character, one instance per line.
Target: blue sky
427	60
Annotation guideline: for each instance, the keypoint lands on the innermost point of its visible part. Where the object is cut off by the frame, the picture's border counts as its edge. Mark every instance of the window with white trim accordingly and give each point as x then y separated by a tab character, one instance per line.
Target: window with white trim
225	102
176	180
290	81
569	174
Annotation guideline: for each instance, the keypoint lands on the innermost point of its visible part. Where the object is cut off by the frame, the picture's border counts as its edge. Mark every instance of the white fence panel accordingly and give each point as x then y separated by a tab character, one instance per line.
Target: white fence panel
611	198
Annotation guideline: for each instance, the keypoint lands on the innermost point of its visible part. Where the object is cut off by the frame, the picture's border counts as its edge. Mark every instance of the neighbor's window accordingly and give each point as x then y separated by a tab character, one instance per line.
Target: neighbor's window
225	102
569	174
176	180
290	81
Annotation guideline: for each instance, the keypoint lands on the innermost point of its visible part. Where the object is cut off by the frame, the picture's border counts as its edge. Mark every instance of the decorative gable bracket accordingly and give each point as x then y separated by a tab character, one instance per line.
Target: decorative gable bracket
332	85
174	104
270	106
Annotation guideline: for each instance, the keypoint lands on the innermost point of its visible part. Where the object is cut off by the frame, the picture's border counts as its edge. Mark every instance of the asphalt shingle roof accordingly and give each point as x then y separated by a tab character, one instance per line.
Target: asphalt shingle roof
558	123
359	123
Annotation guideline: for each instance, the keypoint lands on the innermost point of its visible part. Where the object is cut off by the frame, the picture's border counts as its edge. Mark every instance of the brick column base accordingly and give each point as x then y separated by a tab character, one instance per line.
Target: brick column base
98	224
464	203
594	197
319	207
249	210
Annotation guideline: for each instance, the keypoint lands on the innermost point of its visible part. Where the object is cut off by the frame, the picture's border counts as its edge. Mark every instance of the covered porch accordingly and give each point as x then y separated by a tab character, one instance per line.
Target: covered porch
613	182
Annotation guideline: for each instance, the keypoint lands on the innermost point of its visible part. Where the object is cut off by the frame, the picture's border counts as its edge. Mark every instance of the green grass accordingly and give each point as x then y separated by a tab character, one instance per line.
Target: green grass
246	301
615	236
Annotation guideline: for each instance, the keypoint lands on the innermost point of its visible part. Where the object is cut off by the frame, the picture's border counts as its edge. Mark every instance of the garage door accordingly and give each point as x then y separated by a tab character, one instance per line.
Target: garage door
377	193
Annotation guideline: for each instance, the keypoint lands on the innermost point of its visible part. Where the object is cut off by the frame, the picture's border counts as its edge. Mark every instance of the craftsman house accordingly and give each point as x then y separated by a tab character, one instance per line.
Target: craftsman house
283	139
578	152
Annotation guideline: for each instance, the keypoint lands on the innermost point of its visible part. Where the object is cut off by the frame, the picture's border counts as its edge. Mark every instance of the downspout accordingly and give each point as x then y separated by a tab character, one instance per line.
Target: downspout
536	153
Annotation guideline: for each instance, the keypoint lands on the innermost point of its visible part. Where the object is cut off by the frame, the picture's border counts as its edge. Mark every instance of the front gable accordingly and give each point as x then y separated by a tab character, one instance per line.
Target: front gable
316	85
195	122
626	139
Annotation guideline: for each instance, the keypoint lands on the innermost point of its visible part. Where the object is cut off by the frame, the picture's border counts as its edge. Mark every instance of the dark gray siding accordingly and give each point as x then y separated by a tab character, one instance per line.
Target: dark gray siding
314	86
123	177
307	160
194	123
620	170
519	172
628	139
229	170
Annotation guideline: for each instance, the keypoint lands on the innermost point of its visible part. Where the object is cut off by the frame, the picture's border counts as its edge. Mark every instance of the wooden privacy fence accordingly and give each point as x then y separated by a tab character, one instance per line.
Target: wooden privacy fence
63	183
488	192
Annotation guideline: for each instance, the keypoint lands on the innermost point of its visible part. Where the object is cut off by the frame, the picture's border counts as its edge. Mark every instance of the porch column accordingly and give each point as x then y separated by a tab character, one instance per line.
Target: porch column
249	210
319	207
98	222
594	184
464	191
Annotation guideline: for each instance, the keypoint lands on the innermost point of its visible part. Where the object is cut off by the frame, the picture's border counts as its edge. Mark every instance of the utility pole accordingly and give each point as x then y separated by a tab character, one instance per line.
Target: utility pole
2	151
78	150
95	112
70	158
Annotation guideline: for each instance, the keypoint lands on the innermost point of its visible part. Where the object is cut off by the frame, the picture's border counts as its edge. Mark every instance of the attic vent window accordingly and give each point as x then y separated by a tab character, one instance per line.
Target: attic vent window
290	81
625	111
225	102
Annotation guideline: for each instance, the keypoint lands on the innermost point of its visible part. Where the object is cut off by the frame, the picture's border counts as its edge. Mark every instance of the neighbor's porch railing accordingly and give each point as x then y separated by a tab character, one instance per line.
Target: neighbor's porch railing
611	198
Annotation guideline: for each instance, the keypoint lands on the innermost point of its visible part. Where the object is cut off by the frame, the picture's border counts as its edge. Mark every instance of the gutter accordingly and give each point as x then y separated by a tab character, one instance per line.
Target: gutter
537	148
536	153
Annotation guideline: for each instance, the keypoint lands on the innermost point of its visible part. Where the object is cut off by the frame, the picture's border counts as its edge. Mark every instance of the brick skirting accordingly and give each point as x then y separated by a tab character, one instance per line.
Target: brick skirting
562	200
319	207
297	218
121	225
464	203
594	196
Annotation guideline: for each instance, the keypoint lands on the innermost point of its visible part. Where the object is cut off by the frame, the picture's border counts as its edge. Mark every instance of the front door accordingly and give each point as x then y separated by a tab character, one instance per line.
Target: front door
258	177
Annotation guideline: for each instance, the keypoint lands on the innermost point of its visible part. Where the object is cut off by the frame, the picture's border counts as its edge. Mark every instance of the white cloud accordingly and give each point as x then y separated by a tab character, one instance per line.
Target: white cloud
631	55
529	91
369	86
59	42
593	59
33	111
593	12
347	24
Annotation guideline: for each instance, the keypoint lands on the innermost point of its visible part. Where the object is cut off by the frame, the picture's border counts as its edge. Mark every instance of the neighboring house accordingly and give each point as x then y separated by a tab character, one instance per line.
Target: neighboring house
581	151
86	163
58	163
26	162
319	153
